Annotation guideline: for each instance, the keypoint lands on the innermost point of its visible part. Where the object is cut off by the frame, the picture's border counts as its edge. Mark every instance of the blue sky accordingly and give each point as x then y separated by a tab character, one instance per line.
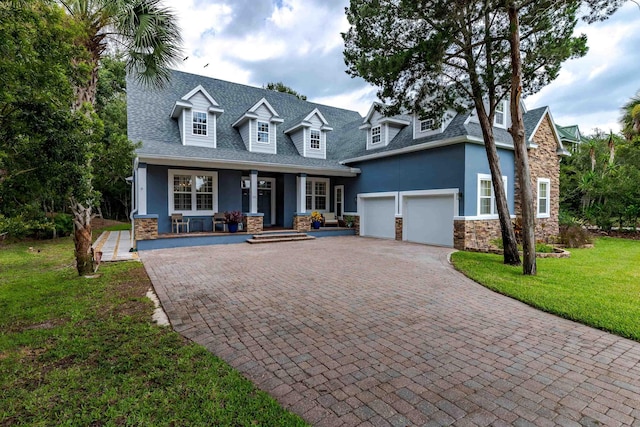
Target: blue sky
298	42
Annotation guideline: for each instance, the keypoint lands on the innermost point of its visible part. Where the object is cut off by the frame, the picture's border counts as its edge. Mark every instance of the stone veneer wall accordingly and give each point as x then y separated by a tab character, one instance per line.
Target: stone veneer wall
356	224
475	234
145	228
398	228
544	162
253	224
302	223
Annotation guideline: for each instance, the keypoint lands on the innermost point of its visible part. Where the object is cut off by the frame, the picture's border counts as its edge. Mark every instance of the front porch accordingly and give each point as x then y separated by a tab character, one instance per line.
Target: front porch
199	238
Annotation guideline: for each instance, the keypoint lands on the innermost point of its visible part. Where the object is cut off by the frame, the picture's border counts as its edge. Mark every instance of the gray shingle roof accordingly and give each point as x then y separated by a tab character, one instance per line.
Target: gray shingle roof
149	121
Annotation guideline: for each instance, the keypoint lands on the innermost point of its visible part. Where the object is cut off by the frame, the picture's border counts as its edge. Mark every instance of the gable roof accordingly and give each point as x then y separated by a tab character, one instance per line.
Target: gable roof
149	110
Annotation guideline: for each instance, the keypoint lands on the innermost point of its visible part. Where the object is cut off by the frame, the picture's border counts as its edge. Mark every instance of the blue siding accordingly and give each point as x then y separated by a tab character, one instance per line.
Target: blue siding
158	196
289	199
229	190
421	170
476	162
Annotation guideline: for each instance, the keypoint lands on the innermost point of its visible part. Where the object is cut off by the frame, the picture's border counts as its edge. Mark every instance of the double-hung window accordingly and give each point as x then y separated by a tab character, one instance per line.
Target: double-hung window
426	125
263	132
375	135
317	194
199	122
486	198
192	192
544	187
500	118
315	139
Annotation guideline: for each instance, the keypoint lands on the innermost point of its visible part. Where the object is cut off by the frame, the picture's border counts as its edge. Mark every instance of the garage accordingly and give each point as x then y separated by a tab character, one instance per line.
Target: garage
378	216
428	218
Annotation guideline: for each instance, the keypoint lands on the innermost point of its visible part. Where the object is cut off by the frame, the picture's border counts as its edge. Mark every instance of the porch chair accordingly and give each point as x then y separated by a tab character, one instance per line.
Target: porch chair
177	221
330	219
219	217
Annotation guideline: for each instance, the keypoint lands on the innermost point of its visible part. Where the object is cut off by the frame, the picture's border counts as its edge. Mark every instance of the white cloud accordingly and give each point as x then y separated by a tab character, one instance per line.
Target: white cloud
298	42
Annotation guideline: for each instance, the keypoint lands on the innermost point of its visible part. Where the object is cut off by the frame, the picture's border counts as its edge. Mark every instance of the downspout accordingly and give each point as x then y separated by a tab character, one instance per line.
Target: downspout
134	200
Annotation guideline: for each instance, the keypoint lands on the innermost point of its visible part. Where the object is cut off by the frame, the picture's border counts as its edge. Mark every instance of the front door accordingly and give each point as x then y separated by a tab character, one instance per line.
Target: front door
266	198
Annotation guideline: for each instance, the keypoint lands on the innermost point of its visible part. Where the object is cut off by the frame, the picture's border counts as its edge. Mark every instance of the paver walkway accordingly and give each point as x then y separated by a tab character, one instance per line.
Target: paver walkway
353	331
115	246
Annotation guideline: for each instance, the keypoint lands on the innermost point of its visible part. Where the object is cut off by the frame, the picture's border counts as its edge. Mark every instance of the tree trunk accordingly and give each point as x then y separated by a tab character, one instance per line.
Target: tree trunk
509	243
523	174
82	237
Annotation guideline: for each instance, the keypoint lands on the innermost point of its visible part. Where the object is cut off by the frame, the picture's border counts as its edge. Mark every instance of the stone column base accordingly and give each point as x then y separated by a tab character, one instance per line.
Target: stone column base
145	227
475	234
253	223
302	222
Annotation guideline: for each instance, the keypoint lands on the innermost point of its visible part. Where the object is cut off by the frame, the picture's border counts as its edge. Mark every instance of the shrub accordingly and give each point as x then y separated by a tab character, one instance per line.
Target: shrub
63	224
18	227
233	217
573	233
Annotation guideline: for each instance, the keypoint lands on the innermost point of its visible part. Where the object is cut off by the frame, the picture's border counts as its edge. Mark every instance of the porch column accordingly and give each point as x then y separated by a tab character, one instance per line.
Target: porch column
253	197
141	189
302	193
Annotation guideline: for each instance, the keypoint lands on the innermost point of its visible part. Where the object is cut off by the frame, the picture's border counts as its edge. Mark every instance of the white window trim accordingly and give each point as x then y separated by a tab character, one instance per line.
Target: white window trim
494	211
313	181
546	214
503	104
206	123
379	128
193	173
311	147
258	122
335	199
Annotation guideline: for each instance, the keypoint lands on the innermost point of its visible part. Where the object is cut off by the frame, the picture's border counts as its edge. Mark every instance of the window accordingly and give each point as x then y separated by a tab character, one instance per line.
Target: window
375	135
315	139
500	118
263	132
199	123
426	125
544	185
317	190
486	199
192	192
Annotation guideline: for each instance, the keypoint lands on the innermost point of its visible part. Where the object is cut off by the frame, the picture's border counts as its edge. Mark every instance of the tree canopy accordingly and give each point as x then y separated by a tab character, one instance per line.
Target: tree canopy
281	87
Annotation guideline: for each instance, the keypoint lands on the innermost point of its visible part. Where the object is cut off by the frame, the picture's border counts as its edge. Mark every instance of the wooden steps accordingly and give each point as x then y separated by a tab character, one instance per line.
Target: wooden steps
279	236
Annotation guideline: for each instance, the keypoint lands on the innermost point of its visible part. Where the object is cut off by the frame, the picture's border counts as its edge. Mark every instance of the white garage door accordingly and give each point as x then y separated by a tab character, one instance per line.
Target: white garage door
428	219
378	217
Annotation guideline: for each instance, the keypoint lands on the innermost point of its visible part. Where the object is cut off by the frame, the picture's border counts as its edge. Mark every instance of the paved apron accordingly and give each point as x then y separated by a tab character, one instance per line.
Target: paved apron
355	331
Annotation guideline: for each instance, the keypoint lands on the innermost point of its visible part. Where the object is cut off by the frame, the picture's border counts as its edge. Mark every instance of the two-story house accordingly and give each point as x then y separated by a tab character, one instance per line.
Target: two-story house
211	146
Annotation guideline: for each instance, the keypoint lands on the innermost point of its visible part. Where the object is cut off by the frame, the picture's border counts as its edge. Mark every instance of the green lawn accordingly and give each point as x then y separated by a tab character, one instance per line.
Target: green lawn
599	287
76	351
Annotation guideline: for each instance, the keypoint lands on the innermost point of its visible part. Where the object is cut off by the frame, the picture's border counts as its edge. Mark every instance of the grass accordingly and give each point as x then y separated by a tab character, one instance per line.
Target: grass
76	351
599	287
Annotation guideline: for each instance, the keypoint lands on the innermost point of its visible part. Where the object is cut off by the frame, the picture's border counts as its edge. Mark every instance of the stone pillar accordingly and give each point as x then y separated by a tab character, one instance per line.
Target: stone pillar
399	228
253	223
302	222
145	227
356	224
475	234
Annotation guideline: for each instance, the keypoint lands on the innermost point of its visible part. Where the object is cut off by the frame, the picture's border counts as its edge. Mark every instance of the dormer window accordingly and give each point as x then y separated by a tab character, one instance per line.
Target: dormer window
315	139
263	132
426	125
199	122
375	135
501	117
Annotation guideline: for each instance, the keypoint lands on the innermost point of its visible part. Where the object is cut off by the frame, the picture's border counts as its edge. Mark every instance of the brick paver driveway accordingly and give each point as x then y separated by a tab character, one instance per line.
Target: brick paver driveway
354	331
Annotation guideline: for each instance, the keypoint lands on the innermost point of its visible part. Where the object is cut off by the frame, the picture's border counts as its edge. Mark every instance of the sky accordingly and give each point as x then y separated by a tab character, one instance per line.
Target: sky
298	42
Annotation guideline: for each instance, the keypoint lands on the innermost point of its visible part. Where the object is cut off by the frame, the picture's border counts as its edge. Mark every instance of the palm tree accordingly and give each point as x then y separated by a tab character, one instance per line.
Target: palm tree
631	117
149	36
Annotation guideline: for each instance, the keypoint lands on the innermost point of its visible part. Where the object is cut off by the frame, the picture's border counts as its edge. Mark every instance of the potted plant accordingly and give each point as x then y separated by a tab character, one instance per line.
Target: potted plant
349	220
233	219
316	219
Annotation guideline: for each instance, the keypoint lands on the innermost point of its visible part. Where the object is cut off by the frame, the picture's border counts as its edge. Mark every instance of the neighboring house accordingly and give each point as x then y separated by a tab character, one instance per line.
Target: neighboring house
570	137
210	146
